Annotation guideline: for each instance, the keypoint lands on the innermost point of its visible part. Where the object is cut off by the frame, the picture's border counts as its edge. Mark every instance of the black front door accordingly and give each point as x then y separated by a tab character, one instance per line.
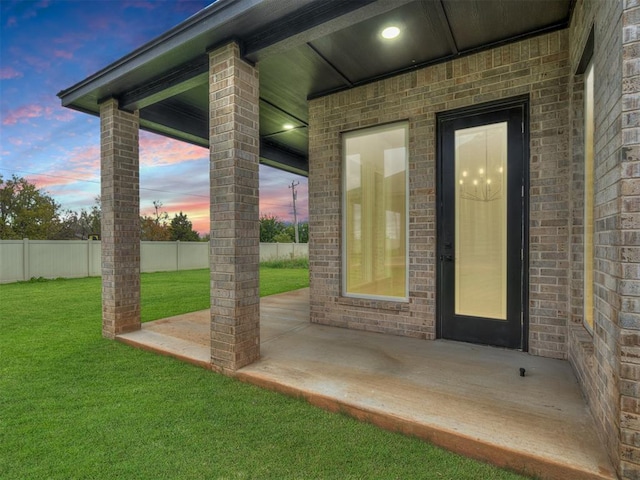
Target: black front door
482	204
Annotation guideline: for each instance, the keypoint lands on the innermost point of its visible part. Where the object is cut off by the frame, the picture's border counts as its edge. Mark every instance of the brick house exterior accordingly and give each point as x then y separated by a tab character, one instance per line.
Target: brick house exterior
544	69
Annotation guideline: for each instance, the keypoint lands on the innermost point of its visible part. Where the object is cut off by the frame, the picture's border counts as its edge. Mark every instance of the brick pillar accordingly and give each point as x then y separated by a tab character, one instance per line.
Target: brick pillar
119	194
628	342
235	228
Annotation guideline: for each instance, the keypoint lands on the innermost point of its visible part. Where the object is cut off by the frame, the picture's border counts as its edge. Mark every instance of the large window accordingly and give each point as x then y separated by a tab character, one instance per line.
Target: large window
589	123
375	212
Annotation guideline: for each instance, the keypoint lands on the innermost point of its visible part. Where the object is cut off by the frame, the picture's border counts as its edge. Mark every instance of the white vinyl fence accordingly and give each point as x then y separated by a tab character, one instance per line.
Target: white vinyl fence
26	259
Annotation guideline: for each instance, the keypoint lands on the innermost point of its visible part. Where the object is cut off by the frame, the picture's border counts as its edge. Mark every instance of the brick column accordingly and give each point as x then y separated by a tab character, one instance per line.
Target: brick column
628	342
119	194
235	228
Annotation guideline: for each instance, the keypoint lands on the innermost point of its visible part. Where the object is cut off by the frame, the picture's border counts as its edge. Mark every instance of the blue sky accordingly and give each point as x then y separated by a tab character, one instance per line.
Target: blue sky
47	46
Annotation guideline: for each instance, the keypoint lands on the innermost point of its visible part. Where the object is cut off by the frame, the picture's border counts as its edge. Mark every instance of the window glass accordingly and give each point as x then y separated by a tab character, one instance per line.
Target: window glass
375	212
589	123
481	221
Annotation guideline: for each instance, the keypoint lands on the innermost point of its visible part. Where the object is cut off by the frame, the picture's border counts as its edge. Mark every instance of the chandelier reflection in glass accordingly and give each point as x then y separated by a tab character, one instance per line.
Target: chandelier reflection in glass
481	185
480	166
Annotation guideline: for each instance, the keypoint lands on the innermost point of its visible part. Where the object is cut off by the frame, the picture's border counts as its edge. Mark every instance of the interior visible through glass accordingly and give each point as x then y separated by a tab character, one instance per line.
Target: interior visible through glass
589	123
375	212
480	221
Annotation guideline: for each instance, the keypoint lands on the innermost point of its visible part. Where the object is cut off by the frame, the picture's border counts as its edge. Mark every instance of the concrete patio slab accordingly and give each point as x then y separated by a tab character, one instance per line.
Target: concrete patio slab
467	398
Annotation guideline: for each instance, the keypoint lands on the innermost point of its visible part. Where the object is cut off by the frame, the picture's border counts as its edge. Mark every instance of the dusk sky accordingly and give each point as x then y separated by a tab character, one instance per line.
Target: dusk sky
47	46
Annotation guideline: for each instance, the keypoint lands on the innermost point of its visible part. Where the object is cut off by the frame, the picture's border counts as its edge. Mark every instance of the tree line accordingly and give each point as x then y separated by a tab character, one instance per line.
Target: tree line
28	212
273	230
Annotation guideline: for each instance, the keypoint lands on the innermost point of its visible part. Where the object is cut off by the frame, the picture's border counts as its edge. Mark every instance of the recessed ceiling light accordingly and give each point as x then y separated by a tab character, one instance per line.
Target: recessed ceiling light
390	32
287	126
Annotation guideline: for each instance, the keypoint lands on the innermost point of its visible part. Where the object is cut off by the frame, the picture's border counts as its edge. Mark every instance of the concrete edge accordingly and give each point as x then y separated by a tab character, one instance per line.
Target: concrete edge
523	463
164	352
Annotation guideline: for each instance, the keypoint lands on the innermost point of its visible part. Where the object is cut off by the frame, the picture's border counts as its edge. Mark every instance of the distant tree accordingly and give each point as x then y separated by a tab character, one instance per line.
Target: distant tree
81	225
181	229
303	231
270	226
71	227
150	230
27	212
94	217
160	216
154	227
283	237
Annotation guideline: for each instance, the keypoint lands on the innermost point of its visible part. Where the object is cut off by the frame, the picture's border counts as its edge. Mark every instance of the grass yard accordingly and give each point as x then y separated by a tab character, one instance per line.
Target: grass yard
74	405
172	293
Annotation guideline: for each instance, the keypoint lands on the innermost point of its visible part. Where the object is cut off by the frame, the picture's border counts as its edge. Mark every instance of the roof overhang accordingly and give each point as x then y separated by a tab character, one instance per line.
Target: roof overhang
305	49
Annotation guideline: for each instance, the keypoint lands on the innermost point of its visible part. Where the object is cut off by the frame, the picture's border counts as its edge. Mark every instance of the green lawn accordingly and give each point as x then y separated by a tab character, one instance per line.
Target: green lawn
74	405
172	293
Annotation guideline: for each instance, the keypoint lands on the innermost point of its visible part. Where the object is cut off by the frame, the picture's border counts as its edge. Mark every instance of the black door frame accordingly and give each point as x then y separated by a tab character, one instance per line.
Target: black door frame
486	108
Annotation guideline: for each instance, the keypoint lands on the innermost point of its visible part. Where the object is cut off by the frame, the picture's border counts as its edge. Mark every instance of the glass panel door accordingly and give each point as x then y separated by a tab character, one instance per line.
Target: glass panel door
482	158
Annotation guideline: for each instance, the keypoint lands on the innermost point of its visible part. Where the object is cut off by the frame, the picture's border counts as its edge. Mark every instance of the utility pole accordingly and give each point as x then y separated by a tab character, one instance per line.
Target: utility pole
295	216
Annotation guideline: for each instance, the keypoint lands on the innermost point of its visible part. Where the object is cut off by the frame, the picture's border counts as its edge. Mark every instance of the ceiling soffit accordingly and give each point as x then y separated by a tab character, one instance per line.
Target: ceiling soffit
309	48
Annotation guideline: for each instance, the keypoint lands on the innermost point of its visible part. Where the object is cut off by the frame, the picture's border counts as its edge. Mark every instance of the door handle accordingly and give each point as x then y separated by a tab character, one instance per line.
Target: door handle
446	258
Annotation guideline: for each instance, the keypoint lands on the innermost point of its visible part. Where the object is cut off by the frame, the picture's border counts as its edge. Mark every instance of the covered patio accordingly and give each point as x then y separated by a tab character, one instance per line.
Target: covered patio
367	98
467	398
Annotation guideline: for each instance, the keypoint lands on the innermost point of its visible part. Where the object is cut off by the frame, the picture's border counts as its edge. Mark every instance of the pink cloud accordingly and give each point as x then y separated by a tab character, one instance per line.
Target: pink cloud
64	116
43	181
82	165
72	41
85	161
156	150
63	54
275	199
38	6
197	212
100	23
7	73
113	24
22	114
40	64
201	223
200	205
28	12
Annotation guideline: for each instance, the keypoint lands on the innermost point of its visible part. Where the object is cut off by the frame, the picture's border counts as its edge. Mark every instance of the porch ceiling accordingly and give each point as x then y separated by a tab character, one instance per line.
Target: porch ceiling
305	49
